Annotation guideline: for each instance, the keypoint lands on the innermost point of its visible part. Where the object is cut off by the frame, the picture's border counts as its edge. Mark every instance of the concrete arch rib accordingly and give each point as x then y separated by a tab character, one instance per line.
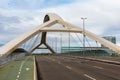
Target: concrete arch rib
9	47
51	19
103	41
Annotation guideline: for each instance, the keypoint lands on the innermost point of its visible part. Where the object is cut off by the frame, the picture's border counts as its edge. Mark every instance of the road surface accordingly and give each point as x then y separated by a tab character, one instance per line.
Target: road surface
69	68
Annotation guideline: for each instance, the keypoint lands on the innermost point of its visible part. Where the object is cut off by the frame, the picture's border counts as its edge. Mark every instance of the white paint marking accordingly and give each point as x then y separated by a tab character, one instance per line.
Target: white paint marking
27	69
98	67
18	76
21	66
19	72
89	77
68	67
20	69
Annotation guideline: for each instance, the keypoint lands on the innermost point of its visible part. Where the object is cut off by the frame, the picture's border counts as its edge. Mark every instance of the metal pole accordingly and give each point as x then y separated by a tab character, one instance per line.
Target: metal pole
56	44
52	43
69	41
83	35
61	42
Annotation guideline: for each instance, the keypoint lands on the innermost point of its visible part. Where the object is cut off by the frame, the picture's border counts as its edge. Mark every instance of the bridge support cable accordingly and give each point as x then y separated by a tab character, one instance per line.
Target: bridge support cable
29	43
24	45
89	45
97	44
79	38
34	41
75	39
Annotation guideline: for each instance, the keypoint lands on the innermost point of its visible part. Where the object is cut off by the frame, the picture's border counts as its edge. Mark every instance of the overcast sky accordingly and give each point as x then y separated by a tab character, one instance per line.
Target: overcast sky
18	16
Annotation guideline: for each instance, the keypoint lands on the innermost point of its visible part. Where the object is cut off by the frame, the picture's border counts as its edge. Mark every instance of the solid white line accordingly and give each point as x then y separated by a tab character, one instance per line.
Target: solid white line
68	67
98	67
89	77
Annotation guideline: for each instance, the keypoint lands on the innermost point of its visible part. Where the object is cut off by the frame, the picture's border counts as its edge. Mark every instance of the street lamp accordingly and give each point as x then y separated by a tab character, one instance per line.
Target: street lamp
56	44
69	38
61	42
83	35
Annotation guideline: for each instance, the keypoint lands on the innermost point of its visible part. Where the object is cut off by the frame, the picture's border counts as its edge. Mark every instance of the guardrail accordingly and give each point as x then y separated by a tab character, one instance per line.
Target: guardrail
11	58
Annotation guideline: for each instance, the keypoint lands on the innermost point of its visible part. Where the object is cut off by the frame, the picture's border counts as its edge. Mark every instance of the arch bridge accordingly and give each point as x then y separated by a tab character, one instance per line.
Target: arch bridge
49	20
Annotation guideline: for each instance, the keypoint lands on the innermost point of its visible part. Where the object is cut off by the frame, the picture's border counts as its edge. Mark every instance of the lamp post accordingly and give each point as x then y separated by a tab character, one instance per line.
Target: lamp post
61	42
83	35
56	43
69	38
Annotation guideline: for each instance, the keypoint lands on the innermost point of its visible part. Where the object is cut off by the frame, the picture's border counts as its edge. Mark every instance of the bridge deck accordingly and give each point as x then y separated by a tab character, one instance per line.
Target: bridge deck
69	68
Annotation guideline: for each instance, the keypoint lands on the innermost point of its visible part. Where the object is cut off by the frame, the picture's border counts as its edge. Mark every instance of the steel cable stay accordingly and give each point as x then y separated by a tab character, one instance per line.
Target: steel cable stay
28	43
89	45
78	38
34	41
75	39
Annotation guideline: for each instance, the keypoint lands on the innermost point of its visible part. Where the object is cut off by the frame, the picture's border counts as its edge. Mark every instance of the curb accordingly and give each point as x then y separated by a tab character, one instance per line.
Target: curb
99	60
35	70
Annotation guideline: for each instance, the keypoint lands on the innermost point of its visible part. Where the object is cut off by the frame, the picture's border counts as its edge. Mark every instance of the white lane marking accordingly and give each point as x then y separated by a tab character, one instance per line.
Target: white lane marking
20	69
89	77
97	67
68	67
27	69
18	76
19	72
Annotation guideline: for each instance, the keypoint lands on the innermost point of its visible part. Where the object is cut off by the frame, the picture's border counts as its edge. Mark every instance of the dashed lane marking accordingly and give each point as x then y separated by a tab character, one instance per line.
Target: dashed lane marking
97	67
19	72
68	67
89	77
20	69
18	76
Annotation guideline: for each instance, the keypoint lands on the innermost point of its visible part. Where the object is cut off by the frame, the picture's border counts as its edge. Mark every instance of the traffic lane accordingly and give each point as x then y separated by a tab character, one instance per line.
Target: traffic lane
89	77
110	72
109	67
51	70
95	71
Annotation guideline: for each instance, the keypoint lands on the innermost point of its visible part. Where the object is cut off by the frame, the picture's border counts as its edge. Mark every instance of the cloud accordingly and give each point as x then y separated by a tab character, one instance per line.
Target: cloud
15	22
102	15
31	4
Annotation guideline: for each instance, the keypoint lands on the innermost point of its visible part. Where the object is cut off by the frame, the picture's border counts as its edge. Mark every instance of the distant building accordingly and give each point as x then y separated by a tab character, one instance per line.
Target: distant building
110	38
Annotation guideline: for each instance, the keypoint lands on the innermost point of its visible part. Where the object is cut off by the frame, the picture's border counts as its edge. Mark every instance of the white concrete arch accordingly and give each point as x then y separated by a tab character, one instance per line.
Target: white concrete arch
49	20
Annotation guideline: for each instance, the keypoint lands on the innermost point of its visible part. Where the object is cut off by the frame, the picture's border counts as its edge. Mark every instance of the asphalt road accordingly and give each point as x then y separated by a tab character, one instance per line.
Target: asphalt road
68	68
